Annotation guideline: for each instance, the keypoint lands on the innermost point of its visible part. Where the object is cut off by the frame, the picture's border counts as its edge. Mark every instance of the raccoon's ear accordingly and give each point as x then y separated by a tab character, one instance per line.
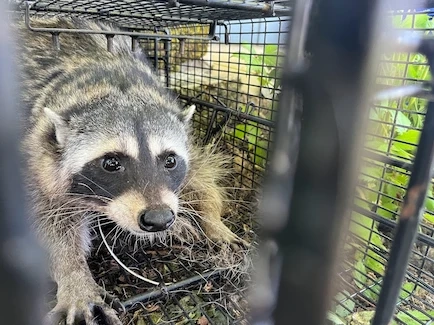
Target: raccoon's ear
186	115
60	125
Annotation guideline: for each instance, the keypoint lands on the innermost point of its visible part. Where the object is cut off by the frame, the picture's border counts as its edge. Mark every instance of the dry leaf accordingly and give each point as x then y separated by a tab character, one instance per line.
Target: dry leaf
207	287
202	321
141	321
152	307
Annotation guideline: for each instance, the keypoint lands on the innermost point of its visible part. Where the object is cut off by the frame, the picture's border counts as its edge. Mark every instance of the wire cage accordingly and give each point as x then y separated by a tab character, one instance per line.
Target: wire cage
226	57
199	49
391	142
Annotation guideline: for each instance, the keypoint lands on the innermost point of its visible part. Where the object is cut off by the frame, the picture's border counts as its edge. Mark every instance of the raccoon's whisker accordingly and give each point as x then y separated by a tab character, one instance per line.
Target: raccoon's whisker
71	230
63	217
64	210
87	186
195	214
136	245
66	204
118	231
83	221
222	187
192	214
112	230
79	196
123	265
116	236
93	196
184	224
105	223
87	196
129	237
103	219
98	224
96	184
66	207
48	218
241	204
92	216
100	216
227	200
187	205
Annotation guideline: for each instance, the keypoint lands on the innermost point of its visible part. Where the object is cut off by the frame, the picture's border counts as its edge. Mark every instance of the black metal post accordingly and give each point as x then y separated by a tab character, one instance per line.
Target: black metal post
306	200
160	292
411	211
266	8
167	49
110	42
167	61
278	183
156	54
56	42
134	44
21	268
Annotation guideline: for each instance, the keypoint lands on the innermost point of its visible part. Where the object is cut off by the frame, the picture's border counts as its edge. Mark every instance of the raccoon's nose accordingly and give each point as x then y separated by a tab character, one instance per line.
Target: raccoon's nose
156	220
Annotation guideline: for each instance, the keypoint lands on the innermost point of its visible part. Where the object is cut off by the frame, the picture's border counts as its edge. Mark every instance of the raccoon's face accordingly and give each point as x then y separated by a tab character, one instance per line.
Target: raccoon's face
126	164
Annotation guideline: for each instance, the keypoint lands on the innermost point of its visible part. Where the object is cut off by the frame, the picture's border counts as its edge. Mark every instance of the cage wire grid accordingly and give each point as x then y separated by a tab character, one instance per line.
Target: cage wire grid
391	142
234	82
146	14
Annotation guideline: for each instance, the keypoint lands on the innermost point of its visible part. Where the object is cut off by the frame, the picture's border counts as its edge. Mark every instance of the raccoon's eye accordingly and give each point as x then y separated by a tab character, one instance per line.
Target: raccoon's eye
170	162
112	164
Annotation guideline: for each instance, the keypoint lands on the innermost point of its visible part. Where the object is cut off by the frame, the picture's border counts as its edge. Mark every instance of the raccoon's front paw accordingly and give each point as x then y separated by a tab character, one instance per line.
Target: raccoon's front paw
219	233
90	306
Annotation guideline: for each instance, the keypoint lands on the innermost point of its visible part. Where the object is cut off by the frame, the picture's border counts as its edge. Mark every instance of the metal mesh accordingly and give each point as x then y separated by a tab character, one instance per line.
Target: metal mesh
149	14
392	138
235	86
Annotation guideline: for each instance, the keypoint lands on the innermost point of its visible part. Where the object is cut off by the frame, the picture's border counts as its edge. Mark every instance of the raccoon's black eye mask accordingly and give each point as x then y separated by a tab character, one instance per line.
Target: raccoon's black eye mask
114	173
111	162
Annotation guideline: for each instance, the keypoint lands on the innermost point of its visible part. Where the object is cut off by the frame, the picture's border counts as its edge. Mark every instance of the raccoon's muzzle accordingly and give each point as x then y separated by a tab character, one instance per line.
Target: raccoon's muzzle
158	219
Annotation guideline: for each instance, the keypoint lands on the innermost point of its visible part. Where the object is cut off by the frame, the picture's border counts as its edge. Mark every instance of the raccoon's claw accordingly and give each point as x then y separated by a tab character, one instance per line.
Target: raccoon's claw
93	315
112	301
222	235
239	244
89	310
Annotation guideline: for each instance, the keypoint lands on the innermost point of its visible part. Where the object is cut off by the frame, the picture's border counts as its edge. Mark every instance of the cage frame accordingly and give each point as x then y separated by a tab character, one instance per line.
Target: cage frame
295	78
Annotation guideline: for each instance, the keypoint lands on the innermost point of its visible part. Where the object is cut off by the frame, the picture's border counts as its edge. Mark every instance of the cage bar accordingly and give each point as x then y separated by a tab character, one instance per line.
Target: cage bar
411	212
22	270
316	211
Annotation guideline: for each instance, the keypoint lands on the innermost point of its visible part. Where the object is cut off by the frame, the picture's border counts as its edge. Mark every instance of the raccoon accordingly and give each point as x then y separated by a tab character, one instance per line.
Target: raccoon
103	137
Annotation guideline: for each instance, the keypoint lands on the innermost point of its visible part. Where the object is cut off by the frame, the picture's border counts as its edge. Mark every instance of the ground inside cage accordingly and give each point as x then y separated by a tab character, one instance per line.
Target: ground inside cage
201	282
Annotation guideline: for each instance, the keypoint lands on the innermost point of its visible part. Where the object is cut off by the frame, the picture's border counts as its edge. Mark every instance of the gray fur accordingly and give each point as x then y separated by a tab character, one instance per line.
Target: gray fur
77	101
